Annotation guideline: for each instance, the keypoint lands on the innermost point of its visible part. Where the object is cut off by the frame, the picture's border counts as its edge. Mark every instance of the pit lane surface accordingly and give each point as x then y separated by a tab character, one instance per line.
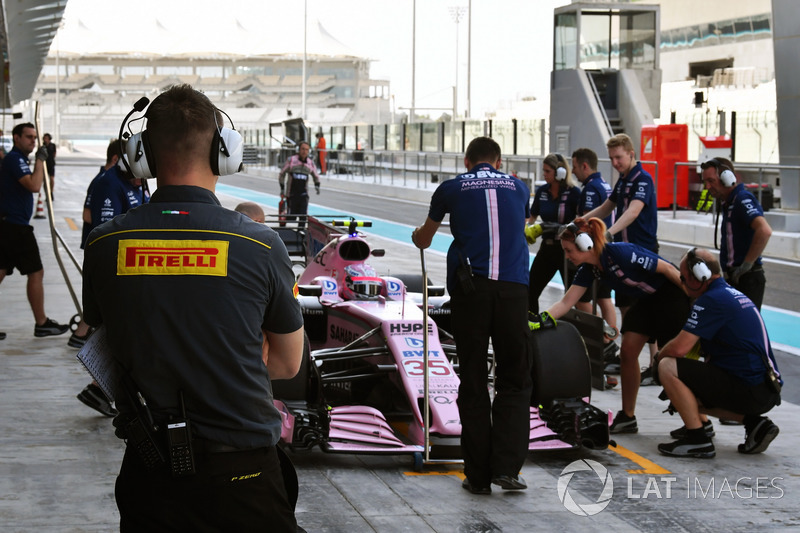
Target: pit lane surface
59	459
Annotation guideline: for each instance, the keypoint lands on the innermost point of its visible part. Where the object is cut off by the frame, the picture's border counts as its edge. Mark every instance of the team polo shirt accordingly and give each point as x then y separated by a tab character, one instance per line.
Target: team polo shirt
488	209
184	288
627	268
113	195
16	202
561	208
732	333
637	185
738	213
595	191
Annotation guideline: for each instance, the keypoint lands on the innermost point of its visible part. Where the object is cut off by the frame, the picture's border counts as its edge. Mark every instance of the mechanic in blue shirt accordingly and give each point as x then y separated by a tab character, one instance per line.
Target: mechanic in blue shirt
208	319
660	309
594	193
487	277
112	157
739	379
555	202
18	248
745	231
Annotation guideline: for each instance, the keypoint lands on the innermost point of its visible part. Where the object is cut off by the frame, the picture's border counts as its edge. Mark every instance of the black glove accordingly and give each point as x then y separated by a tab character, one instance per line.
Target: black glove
316	186
282	187
41	153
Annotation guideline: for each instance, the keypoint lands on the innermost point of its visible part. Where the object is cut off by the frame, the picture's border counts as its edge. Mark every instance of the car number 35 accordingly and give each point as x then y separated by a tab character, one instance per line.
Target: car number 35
414	367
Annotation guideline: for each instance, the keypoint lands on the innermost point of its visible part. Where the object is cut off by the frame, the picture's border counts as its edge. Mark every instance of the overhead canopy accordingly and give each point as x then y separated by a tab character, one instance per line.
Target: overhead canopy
28	29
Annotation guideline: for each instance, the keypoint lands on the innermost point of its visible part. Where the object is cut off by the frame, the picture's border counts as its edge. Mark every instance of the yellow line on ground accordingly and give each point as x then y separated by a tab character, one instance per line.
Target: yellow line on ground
648	466
456	469
71	223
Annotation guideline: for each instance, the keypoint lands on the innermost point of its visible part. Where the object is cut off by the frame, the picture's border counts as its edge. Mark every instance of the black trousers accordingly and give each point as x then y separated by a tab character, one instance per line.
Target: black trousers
549	260
494	435
297	205
234	491
752	285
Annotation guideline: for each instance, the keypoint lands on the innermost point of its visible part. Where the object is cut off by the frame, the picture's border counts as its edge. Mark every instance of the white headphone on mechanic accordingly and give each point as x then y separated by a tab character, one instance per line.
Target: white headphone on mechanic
698	267
561	171
227	147
726	176
583	240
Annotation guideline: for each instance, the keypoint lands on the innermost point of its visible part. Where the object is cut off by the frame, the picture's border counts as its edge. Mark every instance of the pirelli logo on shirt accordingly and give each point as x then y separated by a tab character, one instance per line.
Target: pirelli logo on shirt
136	257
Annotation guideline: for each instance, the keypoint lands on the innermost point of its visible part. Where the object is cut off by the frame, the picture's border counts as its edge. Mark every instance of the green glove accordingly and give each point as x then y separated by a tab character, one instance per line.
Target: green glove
541	321
532	232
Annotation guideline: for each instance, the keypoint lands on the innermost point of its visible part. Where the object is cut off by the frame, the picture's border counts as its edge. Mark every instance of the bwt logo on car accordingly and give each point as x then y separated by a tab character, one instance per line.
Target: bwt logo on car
393	288
329	286
414	342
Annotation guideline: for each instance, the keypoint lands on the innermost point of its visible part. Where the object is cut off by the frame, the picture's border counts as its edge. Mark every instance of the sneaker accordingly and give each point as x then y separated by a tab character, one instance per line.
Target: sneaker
684	448
647	377
681	431
757	440
77	341
50	327
611	358
474	489
623	424
510	482
94	397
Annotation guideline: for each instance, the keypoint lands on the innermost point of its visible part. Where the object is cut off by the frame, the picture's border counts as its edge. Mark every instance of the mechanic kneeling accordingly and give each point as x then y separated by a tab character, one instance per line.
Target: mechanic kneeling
739	379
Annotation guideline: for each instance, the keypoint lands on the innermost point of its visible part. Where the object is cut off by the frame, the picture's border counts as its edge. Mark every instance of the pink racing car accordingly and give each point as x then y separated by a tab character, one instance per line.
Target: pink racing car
360	386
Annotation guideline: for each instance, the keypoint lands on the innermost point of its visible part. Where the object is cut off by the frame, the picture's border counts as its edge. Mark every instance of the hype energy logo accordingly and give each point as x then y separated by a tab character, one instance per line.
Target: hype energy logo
136	257
604	479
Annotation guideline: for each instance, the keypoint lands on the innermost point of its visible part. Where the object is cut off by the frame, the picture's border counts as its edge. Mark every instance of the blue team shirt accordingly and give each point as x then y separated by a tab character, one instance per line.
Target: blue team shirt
487	210
16	202
627	268
732	333
738	213
111	194
562	208
637	185
595	191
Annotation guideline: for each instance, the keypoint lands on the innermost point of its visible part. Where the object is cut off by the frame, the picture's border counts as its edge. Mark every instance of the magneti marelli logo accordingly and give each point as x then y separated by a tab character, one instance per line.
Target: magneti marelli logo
586	509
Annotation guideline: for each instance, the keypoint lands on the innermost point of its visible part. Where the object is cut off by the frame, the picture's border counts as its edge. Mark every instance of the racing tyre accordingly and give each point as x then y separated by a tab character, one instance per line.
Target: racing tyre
561	367
300	386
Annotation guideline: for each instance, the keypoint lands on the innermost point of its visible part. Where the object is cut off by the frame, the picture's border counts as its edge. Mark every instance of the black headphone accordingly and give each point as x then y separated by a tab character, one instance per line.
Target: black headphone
561	171
583	240
225	158
697	266
726	175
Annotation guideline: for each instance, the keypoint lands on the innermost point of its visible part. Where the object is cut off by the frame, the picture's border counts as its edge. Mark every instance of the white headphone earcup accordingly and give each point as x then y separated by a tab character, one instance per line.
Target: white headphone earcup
561	173
700	270
727	178
584	242
137	158
231	151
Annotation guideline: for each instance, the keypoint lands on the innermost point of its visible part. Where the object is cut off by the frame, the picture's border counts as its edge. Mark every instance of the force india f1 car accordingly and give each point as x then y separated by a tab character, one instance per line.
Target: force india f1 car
360	385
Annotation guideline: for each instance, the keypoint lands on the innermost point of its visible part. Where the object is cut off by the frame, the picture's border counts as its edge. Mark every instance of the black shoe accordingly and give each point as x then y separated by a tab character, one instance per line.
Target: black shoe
50	327
680	433
611	358
684	448
758	440
474	489
647	379
94	397
623	424
77	341
510	482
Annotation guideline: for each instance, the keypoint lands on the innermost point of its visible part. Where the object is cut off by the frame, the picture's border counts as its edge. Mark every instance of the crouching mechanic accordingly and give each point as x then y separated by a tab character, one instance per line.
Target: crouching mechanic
739	379
209	318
